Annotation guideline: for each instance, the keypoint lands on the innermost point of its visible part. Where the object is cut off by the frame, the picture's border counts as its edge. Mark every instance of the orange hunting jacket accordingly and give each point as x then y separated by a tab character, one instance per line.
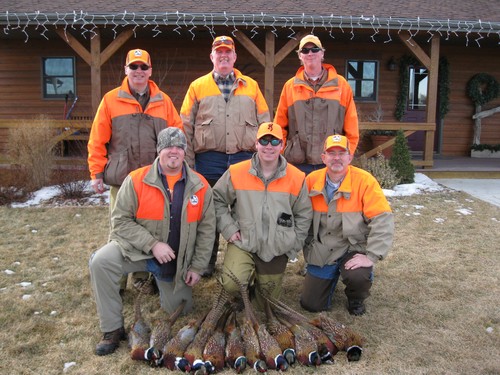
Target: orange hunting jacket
358	218
123	136
212	124
244	202
141	218
308	117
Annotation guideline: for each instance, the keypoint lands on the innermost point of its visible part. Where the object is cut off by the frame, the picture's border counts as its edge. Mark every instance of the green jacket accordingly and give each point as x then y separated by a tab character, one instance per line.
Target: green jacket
140	219
244	202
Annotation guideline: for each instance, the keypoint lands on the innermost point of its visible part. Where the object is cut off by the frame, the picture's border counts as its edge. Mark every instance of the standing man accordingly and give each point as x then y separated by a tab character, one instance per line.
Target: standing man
125	129
315	103
352	229
164	223
221	113
264	212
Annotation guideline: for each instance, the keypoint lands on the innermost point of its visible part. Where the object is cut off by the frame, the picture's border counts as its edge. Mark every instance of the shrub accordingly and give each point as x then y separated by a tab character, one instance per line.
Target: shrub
32	148
72	184
379	167
400	159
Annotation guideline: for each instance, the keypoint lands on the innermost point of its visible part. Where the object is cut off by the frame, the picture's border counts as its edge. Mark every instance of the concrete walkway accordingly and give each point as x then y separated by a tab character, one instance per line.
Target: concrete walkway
485	189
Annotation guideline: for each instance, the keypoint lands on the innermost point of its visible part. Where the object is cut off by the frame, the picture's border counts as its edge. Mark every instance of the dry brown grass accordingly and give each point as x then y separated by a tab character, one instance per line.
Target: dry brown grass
433	299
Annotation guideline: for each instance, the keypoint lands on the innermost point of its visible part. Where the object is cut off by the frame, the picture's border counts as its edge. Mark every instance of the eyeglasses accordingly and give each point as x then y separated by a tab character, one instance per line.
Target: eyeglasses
339	154
219	42
274	142
306	50
136	66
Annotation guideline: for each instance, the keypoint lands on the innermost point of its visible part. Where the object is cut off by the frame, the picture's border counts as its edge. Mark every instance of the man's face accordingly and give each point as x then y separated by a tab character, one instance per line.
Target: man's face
311	59
137	77
336	160
223	59
266	151
171	159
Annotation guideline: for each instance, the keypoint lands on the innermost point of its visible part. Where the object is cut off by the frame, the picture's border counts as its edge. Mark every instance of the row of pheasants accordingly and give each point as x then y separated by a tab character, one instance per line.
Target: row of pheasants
216	340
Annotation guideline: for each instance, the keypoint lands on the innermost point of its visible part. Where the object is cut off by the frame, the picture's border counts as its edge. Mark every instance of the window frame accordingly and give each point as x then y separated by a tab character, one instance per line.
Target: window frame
46	95
375	80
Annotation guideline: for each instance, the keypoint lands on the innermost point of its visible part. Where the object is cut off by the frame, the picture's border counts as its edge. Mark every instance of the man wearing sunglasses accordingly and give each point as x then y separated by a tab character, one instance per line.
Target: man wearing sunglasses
125	129
221	113
352	229
264	213
316	102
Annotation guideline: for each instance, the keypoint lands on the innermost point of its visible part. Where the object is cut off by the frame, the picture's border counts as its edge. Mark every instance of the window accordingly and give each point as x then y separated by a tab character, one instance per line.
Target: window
362	77
417	91
58	77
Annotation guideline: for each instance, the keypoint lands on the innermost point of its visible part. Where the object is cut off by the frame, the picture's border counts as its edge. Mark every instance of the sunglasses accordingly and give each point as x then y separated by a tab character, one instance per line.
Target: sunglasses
219	42
135	66
274	142
306	50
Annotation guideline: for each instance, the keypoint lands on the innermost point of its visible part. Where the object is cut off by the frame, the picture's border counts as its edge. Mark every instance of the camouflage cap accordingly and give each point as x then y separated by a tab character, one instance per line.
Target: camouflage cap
171	137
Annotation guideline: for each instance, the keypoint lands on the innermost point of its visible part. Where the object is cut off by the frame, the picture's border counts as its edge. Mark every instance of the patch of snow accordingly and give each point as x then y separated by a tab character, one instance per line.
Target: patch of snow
9	272
24	284
68	365
464	211
26	297
422	184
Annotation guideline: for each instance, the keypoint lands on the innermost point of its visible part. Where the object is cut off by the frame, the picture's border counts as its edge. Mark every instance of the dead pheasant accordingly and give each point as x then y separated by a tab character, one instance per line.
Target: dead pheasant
214	352
139	335
281	333
162	331
269	347
343	337
235	351
326	348
194	352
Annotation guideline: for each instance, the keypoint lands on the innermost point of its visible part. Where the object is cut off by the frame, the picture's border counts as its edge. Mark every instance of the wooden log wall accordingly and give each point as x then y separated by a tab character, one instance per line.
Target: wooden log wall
179	60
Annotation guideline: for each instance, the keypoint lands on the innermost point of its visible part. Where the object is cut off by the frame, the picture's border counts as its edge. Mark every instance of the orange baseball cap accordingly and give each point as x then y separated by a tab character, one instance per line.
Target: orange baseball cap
270	128
336	140
138	55
223	41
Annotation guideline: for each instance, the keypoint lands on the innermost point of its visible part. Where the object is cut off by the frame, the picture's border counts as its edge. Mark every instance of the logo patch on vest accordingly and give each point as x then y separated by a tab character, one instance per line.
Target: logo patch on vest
194	200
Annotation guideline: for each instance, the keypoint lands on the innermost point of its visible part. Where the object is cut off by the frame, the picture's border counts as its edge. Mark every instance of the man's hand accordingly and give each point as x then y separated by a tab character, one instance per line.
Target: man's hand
192	278
98	185
358	261
235	237
163	252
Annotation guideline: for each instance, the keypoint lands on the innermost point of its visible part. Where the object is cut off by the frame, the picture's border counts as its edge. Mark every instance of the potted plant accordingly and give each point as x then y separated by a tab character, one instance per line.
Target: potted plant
485	151
379	137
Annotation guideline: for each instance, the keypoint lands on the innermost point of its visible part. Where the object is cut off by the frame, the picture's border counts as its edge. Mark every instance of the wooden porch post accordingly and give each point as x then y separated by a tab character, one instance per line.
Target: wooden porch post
269	72
95	70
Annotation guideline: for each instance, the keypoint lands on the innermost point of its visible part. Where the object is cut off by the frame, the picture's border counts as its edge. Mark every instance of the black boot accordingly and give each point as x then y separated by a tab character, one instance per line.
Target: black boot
356	307
110	341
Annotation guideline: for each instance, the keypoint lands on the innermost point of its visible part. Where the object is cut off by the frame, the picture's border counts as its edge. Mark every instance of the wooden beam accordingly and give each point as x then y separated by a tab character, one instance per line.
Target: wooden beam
287	48
115	45
251	47
95	70
269	72
75	45
432	97
415	49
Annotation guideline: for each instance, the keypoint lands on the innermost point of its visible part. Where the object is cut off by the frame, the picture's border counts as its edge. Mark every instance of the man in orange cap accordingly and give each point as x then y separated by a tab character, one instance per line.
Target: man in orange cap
221	113
125	128
352	229
264	213
316	102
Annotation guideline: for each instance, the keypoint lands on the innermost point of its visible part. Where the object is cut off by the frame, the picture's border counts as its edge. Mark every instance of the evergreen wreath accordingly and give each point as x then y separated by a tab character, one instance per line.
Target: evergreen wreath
482	88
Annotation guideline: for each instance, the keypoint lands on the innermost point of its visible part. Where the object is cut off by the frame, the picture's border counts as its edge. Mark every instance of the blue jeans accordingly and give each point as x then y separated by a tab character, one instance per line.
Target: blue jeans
213	164
154	267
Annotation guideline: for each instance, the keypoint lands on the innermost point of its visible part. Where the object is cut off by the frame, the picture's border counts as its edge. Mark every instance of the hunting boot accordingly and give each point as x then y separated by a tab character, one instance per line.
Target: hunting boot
356	307
110	341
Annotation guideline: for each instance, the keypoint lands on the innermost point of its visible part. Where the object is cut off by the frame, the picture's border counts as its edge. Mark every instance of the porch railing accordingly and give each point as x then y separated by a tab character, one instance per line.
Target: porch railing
78	130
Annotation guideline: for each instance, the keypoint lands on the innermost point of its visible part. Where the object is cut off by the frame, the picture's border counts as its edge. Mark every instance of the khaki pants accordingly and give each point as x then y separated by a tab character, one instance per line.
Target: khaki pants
113	191
247	267
107	266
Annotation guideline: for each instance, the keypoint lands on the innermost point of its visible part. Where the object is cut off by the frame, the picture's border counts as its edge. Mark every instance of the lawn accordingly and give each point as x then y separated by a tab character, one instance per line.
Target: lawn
434	307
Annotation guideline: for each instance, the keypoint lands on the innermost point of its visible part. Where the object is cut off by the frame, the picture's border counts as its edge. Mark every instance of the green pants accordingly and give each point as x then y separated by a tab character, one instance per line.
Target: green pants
249	268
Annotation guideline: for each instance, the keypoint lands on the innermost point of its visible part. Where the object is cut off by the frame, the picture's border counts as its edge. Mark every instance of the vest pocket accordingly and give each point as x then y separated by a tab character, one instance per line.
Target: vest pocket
293	151
116	168
204	137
